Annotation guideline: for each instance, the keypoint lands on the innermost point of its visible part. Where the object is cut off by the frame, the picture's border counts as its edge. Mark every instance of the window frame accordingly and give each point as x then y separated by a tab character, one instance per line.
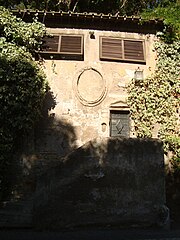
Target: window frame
123	59
64	54
120	112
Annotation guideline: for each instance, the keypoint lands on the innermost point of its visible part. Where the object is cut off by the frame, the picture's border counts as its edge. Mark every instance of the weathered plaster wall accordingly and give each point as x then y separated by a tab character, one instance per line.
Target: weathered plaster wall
85	91
115	182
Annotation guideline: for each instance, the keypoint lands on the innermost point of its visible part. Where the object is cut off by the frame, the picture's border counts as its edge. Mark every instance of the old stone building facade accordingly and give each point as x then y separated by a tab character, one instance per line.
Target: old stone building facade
89	60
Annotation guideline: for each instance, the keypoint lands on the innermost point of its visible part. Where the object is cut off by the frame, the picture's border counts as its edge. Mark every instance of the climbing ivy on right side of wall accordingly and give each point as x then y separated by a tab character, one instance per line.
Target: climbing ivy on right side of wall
155	101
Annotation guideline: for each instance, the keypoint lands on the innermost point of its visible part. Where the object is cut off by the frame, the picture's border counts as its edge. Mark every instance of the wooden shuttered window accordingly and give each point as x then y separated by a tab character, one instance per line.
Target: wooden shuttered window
71	45
64	44
122	49
111	48
119	123
51	44
134	50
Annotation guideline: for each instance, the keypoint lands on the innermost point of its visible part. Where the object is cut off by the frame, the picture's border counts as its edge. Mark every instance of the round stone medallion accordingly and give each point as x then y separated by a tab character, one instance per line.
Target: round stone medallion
91	87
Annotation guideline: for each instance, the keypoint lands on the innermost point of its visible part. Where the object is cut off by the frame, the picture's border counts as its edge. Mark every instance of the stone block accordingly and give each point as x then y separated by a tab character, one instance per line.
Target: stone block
114	181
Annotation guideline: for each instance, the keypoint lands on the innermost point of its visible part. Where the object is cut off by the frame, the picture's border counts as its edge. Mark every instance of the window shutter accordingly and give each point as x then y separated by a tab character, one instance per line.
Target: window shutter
71	45
51	44
111	48
134	50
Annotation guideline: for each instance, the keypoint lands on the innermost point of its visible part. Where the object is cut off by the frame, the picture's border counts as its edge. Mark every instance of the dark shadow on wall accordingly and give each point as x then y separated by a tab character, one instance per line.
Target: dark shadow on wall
53	138
47	143
53	134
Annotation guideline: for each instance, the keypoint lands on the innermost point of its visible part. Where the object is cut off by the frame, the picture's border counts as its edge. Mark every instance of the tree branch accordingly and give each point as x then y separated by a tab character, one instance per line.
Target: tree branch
123	4
75	5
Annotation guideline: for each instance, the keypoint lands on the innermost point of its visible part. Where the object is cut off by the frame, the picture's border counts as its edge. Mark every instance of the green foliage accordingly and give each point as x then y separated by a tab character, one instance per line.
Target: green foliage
155	101
48	5
124	7
170	16
14	30
22	81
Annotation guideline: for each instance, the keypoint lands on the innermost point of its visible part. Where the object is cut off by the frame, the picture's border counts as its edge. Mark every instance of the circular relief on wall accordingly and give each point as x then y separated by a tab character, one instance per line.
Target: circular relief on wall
90	86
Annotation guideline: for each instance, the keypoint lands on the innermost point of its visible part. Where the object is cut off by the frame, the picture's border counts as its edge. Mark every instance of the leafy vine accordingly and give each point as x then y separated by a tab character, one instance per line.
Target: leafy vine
155	101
